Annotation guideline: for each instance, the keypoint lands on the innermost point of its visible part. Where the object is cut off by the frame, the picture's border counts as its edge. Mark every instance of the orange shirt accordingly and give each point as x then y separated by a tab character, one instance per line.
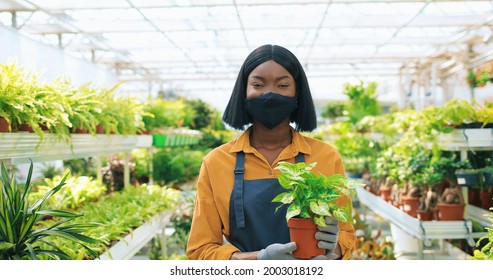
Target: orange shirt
215	183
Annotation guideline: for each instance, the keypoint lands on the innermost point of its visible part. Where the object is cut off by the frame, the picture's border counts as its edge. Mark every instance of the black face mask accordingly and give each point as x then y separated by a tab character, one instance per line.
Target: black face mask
270	109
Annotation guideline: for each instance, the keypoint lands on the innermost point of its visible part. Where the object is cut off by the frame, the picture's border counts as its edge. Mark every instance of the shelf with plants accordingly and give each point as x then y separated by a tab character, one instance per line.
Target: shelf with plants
20	147
421	230
94	220
132	243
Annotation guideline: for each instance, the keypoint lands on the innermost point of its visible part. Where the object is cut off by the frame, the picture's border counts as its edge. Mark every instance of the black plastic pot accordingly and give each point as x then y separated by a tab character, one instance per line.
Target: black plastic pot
468	178
488	178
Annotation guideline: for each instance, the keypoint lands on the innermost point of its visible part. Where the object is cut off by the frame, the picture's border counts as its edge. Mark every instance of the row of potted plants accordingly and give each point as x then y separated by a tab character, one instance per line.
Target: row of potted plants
61	108
412	166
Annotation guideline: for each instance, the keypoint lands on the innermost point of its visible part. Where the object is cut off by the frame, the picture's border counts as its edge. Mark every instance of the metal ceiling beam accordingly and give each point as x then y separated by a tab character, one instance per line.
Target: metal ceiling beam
250	3
241	25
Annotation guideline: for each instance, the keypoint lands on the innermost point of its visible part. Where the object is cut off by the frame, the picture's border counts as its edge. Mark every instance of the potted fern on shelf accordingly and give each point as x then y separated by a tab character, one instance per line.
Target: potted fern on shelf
311	198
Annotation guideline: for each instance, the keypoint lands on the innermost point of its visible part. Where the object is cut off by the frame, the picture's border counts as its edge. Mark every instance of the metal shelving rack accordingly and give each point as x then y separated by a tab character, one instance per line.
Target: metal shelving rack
464	141
421	230
21	147
126	248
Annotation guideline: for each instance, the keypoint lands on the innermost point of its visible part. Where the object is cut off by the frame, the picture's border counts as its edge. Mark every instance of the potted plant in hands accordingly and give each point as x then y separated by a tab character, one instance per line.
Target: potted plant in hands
20	238
311	198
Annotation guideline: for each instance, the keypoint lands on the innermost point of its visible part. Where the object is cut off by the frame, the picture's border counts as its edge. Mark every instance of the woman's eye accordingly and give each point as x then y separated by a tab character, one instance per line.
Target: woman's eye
284	86
256	85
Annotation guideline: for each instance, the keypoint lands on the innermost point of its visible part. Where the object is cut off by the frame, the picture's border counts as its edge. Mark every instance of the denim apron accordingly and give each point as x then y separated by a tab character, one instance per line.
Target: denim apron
254	222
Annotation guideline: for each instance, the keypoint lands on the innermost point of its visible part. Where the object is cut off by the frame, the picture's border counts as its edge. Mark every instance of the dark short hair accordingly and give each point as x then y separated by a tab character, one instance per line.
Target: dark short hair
304	116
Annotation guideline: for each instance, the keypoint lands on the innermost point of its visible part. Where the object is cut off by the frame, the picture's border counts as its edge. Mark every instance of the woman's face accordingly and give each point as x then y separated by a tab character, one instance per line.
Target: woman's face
270	77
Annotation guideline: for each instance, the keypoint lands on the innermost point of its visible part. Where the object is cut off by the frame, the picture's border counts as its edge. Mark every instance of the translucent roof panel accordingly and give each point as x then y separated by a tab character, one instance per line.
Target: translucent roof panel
197	47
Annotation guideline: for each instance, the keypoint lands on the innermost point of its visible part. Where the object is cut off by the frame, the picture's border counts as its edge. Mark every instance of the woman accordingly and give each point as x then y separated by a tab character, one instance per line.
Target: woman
237	180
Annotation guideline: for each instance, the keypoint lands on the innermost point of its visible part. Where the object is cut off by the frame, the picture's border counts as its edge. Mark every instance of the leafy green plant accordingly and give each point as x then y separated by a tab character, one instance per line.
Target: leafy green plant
84	106
17	88
167	114
486	252
19	236
77	191
49	171
370	243
117	215
334	109
313	197
457	112
362	100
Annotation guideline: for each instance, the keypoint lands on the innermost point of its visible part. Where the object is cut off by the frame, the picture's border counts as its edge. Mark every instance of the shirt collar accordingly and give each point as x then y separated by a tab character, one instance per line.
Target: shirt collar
299	143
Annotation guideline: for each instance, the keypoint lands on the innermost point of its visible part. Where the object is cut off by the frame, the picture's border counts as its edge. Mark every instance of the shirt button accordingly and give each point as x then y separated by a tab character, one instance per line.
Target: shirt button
270	172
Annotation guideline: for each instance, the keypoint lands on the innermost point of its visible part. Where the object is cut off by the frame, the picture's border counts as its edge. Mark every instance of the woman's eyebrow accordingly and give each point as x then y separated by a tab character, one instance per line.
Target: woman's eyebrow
277	79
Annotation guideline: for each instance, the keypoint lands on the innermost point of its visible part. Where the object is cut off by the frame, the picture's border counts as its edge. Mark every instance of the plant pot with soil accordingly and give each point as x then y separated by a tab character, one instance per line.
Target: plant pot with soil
410	201
311	198
451	204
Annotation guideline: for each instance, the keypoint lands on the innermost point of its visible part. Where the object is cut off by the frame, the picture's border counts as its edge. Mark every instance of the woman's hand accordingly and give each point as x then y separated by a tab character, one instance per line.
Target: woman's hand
328	237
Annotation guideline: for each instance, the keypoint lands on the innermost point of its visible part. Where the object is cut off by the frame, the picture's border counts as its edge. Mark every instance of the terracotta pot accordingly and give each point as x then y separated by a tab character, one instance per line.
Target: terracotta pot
386	193
450	212
100	129
26	127
473	197
410	205
302	232
486	198
81	131
425	216
4	125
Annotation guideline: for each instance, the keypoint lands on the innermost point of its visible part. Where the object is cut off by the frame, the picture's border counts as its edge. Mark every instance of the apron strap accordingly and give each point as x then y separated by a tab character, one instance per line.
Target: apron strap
300	157
238	187
238	190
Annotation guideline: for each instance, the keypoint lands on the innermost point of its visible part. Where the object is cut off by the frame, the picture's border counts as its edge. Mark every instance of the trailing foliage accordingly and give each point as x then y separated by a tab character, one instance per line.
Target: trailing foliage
313	197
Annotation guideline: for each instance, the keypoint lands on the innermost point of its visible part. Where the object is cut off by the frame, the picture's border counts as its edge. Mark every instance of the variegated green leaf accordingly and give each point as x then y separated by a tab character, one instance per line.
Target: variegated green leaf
341	215
285	198
319	221
320	208
293	211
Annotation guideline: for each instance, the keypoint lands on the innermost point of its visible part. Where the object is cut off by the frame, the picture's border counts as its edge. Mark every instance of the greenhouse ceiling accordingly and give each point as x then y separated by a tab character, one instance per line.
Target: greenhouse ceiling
197	47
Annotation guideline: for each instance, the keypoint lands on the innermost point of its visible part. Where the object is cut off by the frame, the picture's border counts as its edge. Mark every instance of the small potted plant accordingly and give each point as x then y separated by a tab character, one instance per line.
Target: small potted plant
311	198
